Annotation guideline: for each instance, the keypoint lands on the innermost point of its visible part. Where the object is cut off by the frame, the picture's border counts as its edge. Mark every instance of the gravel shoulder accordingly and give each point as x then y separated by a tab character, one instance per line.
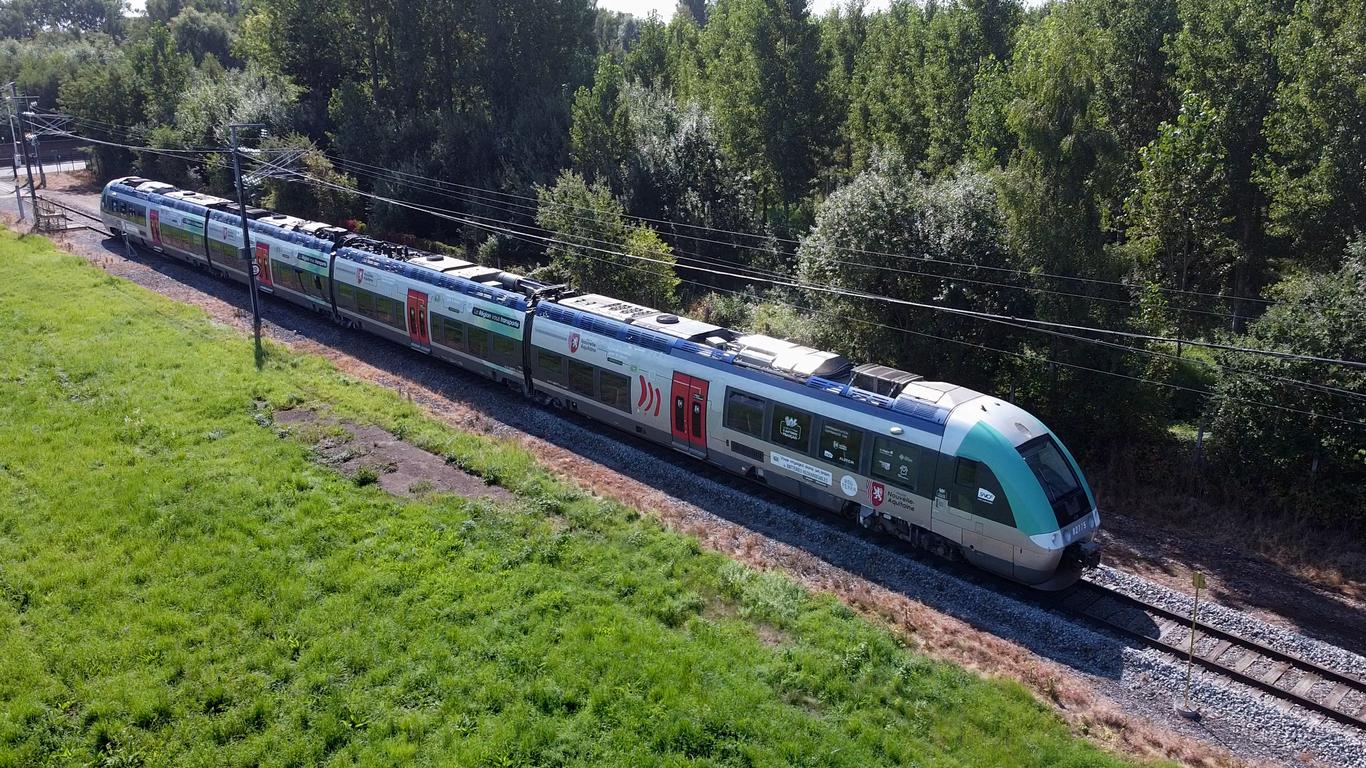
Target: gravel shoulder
1115	693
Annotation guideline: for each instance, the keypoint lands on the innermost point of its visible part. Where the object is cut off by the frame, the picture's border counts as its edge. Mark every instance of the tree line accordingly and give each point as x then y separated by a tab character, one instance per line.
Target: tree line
1180	169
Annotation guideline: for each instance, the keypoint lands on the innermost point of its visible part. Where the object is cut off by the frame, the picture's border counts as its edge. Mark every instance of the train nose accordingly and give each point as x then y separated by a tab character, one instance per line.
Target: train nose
1085	554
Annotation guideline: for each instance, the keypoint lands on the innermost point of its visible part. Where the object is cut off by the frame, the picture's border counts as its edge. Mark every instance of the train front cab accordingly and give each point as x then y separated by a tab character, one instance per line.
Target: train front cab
1034	516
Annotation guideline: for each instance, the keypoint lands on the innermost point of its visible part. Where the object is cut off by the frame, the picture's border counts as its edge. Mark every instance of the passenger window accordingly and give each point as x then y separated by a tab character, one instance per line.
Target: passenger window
615	390
504	350
896	462
744	413
581	377
479	342
680	415
841	444
550	366
791	428
966	473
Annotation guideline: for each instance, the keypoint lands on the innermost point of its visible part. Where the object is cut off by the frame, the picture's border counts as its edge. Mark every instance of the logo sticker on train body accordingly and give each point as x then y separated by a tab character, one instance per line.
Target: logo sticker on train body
573	342
813	473
985	495
877	492
849	485
651	397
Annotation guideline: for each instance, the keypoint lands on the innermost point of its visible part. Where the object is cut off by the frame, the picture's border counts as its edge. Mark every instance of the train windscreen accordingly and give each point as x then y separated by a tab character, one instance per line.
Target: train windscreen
1059	482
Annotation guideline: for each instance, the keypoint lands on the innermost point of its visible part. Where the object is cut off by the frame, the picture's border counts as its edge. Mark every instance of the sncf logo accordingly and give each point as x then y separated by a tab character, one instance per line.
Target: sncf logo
650	397
573	342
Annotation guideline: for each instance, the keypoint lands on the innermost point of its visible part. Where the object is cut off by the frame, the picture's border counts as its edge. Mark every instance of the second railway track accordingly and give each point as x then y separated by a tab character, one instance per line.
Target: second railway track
1290	678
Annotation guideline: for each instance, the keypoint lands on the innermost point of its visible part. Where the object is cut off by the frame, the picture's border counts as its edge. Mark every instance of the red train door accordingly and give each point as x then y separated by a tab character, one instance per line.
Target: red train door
688	413
417	319
263	265
154	224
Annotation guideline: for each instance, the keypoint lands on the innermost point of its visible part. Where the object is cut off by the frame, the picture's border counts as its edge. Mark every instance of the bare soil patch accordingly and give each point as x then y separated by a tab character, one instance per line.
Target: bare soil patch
368	453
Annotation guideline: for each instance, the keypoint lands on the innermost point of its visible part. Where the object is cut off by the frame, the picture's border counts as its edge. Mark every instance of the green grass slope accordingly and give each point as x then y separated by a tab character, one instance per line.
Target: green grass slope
179	585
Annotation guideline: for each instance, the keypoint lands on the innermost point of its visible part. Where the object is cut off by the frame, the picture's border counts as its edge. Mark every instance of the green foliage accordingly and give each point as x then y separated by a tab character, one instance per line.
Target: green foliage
1320	460
647	62
599	134
1179	217
203	34
989	142
180	586
885	109
1223	53
599	248
763	83
1315	168
161	74
26	18
890	233
40	65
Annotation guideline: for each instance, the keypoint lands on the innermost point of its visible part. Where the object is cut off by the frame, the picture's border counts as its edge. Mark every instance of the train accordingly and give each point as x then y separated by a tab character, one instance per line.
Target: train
951	470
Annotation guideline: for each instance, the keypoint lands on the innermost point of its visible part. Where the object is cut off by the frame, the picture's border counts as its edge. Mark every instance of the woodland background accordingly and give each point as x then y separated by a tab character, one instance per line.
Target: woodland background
1188	169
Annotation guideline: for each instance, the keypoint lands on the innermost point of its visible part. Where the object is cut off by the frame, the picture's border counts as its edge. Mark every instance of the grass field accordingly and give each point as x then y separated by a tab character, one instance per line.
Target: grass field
180	585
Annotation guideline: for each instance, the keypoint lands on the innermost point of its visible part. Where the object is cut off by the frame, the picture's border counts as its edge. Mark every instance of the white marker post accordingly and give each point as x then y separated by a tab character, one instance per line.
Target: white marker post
1185	709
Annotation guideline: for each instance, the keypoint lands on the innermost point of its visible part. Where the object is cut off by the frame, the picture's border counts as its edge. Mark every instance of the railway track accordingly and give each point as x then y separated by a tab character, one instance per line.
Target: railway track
1290	678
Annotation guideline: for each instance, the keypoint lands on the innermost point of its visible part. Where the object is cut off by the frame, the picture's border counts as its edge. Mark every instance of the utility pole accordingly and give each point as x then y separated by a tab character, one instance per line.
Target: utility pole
14	132
38	160
252	267
28	168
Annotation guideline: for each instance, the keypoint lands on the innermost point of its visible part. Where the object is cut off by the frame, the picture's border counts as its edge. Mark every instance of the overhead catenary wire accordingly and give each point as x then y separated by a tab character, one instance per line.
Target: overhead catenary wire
477	199
1020	355
792	241
673	225
530	237
755	272
986	316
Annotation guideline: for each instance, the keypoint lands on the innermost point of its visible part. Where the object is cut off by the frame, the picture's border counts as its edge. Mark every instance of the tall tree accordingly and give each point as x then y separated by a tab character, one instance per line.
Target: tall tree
1314	169
1223	53
600	131
599	249
885	107
763	82
1179	217
890	233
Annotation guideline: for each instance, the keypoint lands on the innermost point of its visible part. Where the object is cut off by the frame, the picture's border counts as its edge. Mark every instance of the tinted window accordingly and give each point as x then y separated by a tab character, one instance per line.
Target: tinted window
840	444
1055	475
581	377
504	350
1051	469
896	462
791	428
966	472
615	390
550	366
445	331
479	341
745	413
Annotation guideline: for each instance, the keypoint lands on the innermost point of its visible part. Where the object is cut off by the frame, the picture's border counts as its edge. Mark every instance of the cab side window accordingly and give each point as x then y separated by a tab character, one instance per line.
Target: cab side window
976	490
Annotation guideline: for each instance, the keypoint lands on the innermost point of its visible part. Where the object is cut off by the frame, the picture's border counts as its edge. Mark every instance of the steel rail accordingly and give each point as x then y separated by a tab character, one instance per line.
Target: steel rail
1227	641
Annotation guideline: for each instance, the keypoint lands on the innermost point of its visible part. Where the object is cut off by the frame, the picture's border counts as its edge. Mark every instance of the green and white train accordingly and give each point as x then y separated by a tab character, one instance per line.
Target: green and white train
947	468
